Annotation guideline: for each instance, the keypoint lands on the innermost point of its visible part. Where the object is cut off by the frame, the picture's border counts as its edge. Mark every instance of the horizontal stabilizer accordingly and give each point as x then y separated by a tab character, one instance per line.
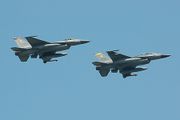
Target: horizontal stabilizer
18	49
98	63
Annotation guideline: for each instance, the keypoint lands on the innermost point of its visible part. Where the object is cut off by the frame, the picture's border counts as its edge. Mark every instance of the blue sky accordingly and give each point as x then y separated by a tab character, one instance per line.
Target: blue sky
71	89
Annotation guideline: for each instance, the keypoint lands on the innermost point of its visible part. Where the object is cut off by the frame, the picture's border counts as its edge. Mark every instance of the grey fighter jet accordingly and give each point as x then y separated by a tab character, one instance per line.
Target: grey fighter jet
124	64
31	46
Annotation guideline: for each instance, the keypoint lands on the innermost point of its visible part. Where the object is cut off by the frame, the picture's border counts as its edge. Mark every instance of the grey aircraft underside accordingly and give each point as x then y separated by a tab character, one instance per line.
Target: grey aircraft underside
31	46
124	64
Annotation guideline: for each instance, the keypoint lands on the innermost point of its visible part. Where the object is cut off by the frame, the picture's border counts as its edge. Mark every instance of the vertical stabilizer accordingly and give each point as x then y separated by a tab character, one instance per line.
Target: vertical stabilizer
22	43
103	58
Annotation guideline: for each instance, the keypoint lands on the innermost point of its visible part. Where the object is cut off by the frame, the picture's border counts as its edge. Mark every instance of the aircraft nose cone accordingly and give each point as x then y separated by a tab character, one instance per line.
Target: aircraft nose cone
84	41
164	56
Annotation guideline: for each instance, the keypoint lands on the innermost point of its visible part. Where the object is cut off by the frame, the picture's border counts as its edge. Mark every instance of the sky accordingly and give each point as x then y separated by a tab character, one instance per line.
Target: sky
71	89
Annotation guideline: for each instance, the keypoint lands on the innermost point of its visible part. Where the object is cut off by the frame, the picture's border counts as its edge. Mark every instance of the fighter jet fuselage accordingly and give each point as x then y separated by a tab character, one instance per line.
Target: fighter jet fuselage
124	64
127	62
45	50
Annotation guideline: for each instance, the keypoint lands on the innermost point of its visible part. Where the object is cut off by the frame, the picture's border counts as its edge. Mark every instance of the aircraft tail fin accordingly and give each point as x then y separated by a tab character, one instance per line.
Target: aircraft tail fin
22	43
103	58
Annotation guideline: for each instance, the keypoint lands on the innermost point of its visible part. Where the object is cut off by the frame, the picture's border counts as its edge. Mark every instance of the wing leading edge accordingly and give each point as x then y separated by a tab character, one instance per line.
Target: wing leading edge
36	42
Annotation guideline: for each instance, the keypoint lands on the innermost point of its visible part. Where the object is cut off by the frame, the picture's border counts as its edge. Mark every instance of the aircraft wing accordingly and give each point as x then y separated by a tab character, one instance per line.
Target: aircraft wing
36	42
116	56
